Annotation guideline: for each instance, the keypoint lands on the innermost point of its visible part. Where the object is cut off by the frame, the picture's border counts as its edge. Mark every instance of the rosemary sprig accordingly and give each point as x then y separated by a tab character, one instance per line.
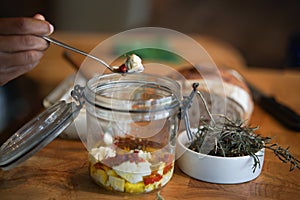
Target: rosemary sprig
284	155
234	139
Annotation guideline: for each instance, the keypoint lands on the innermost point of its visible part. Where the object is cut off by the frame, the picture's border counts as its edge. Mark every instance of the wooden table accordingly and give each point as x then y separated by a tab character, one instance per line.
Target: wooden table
59	171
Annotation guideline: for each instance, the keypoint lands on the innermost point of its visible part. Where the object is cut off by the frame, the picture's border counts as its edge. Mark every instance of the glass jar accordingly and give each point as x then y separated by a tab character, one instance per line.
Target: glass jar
132	122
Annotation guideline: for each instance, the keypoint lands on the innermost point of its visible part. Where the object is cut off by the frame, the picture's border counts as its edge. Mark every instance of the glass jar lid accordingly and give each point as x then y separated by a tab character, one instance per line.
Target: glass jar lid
133	93
37	133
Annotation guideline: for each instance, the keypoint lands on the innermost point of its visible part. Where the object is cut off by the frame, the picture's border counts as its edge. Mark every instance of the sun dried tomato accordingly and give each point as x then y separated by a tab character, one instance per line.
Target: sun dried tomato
152	179
167	168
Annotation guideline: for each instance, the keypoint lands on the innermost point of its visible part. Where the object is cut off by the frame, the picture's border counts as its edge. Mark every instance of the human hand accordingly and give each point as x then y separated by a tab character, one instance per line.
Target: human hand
20	47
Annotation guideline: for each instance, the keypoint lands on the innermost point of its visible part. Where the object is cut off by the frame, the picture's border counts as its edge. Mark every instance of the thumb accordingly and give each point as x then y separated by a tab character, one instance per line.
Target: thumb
39	16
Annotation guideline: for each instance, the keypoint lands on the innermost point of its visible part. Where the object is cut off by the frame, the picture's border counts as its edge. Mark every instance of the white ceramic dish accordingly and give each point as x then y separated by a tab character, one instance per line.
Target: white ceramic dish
213	169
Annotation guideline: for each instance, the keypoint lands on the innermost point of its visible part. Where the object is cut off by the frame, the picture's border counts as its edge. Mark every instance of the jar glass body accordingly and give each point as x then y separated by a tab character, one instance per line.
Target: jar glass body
131	130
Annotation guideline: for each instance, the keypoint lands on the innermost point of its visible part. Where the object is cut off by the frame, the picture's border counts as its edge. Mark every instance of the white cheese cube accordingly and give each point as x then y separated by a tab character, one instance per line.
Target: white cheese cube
133	172
116	183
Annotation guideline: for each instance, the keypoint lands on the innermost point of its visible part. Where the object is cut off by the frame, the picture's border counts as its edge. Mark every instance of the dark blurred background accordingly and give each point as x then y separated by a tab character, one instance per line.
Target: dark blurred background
266	32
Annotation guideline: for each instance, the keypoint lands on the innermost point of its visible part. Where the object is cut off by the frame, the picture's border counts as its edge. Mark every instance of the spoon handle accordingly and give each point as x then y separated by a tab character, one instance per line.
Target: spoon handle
61	44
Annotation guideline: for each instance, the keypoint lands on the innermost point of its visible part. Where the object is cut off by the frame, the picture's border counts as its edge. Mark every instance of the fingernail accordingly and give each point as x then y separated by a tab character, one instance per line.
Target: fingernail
39	16
51	28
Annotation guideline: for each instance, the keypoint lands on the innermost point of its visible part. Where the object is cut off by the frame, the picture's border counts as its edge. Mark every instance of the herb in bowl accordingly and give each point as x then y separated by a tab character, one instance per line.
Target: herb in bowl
234	139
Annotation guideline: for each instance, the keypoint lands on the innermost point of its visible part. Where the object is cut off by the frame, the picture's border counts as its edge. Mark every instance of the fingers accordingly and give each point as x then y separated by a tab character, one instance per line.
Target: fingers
21	48
22	26
15	72
22	37
8	60
17	64
17	43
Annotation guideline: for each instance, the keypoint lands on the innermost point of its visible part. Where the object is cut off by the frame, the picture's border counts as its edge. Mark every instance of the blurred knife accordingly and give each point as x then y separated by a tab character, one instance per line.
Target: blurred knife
286	116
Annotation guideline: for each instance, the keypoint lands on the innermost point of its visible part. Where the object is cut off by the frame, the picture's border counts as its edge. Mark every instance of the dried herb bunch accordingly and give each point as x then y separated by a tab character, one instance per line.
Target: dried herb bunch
234	138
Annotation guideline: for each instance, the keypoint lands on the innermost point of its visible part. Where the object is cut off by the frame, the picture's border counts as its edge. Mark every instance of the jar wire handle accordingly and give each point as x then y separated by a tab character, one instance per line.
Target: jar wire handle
77	94
183	114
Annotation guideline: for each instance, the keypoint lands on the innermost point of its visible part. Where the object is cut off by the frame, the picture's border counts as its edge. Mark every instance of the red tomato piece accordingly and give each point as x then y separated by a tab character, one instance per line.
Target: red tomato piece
152	179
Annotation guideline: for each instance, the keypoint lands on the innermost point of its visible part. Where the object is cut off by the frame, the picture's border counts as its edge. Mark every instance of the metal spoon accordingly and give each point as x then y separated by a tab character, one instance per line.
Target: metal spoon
114	69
